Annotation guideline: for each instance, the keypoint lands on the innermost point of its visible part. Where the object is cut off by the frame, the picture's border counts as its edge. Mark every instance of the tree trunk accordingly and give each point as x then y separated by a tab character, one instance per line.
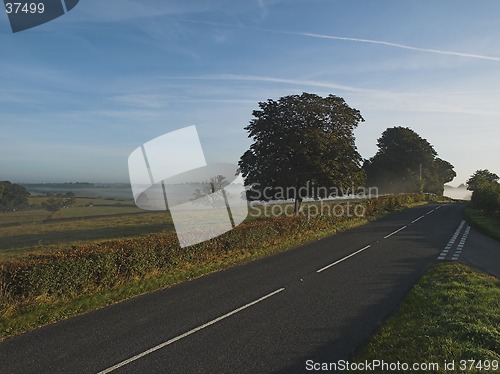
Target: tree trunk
296	208
298	198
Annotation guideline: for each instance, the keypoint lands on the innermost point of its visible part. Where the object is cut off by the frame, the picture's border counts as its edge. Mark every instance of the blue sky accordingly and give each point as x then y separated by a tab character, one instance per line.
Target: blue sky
80	93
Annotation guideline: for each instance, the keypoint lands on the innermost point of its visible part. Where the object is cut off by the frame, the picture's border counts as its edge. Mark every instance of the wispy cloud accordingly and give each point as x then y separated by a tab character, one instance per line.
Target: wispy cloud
236	24
267	79
441	101
263	8
390	44
420	101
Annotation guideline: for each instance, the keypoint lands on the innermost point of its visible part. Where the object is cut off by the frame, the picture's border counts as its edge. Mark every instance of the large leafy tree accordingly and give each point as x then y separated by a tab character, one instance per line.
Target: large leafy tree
12	196
406	162
303	147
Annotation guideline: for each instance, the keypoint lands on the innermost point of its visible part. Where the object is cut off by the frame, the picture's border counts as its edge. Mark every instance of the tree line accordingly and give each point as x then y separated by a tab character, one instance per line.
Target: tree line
307	142
406	162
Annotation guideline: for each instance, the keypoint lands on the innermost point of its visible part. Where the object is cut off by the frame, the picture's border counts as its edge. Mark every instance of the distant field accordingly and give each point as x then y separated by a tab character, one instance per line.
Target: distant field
90	219
38	231
83	208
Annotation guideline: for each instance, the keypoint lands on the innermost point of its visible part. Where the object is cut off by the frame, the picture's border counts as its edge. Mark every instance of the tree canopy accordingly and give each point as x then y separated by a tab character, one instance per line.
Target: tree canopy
301	143
479	177
12	196
485	192
406	162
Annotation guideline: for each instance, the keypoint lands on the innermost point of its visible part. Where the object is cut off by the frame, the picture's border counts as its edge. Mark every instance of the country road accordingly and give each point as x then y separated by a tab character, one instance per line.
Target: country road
318	302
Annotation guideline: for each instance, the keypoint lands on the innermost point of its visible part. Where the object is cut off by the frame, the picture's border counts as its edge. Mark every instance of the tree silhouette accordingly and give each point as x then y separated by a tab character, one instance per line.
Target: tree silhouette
301	144
479	177
12	196
406	162
212	192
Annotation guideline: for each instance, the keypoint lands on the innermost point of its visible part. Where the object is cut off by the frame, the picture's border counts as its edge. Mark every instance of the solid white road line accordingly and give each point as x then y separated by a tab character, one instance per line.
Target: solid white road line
395	232
343	259
173	340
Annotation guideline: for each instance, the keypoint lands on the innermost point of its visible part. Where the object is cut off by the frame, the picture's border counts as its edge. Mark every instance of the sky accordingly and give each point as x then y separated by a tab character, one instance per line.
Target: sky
80	93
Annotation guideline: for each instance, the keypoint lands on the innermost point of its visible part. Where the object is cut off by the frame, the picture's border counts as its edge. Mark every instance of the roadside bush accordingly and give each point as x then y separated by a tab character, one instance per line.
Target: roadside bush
486	196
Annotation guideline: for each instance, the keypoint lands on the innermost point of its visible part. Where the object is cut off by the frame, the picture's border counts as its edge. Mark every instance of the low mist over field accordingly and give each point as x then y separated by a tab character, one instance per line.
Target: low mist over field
459	193
123	191
115	191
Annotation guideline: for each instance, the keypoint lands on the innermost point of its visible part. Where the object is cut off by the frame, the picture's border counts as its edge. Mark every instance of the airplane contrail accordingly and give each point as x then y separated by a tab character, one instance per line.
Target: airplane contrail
397	45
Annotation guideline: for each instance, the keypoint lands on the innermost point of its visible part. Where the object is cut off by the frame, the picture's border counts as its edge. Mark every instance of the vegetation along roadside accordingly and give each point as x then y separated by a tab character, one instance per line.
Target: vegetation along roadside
451	317
484	211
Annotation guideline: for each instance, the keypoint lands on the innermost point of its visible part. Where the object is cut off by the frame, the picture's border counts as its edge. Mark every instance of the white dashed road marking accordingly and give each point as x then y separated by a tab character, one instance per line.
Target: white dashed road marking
395	232
343	259
460	246
173	340
418	219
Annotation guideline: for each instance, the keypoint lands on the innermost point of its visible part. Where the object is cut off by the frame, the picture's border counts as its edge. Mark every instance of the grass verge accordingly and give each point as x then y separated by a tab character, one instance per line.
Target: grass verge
483	222
451	315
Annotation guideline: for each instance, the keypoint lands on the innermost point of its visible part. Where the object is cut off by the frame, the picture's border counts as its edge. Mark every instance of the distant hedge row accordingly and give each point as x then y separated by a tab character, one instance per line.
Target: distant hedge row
90	267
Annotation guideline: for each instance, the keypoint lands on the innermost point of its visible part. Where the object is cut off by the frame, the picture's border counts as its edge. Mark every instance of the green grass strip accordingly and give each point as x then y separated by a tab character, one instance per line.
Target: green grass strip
452	315
483	222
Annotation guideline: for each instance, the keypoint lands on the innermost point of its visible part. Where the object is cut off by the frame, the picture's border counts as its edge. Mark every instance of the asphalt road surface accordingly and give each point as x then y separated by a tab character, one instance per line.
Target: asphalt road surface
481	252
317	302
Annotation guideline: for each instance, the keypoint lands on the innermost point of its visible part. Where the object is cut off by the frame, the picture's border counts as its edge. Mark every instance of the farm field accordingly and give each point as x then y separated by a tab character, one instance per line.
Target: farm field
92	219
37	230
83	208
